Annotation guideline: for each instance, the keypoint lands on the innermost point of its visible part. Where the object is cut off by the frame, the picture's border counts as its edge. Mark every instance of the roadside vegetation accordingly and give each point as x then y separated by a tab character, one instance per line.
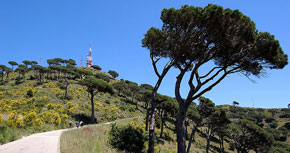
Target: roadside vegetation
36	98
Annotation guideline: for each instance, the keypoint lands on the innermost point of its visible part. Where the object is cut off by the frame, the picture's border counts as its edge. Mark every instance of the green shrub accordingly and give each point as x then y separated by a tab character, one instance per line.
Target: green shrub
107	102
130	138
29	93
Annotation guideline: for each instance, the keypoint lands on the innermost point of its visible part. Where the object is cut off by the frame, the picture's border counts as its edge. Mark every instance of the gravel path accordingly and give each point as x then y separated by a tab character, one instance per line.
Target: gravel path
47	142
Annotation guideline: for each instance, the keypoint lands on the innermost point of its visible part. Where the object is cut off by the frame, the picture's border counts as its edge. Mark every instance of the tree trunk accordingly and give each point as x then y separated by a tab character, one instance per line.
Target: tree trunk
153	105
147	119
191	138
93	108
66	86
207	143
151	130
180	129
186	133
162	124
40	77
7	76
221	144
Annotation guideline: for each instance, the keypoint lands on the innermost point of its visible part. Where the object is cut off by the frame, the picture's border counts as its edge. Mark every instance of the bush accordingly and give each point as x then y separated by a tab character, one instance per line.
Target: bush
29	93
130	138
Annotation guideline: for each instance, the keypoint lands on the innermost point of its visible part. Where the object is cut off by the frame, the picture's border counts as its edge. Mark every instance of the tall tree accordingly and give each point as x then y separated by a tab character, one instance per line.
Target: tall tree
13	63
134	90
192	37
95	86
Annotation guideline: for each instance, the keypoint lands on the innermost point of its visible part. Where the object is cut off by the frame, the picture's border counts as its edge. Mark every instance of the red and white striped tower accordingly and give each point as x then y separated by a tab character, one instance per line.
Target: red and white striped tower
90	57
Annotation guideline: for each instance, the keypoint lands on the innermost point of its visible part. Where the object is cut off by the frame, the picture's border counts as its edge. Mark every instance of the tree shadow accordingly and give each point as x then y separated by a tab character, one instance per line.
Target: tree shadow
82	117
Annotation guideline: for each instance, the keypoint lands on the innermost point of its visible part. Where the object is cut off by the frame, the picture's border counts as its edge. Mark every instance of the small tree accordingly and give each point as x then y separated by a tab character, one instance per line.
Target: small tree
2	71
12	63
114	74
95	86
96	67
235	103
146	86
130	138
26	63
34	62
247	136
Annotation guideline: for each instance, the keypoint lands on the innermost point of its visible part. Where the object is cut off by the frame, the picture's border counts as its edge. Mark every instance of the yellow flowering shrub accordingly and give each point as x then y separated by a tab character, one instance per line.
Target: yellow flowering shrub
99	106
2	95
70	107
48	85
1	118
38	122
4	106
14	120
30	87
30	118
114	109
64	117
50	117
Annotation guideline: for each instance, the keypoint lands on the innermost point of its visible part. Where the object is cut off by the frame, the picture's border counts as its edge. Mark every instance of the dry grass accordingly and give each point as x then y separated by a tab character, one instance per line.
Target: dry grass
89	139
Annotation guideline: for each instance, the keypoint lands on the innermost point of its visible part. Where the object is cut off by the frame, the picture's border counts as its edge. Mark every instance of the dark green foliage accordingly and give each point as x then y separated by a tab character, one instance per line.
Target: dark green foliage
248	136
280	147
146	86
103	76
121	87
96	67
127	138
287	125
114	74
34	62
26	62
97	85
29	93
13	63
273	124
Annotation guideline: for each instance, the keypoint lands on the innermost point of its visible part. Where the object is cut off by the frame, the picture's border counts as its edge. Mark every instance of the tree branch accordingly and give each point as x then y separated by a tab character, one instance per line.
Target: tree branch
206	75
211	86
154	65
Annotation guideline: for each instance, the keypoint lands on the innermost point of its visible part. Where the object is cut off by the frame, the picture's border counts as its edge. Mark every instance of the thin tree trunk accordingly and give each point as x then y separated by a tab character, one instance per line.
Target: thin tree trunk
147	119
153	105
221	144
207	144
66	86
180	129
7	76
191	138
152	126
162	123
93	108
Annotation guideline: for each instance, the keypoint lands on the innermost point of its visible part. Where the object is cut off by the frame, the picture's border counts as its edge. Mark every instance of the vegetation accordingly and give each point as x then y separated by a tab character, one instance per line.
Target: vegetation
192	37
34	98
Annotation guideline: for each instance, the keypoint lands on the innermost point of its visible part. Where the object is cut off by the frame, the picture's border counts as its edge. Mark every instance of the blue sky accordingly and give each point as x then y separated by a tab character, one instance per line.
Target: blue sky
32	29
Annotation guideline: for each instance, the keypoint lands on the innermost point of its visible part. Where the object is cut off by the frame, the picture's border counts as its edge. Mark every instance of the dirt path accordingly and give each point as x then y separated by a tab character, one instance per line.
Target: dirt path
47	142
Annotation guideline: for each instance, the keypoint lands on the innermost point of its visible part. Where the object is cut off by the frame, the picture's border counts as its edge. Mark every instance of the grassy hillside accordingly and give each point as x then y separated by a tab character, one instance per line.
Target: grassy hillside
38	99
28	106
98	141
